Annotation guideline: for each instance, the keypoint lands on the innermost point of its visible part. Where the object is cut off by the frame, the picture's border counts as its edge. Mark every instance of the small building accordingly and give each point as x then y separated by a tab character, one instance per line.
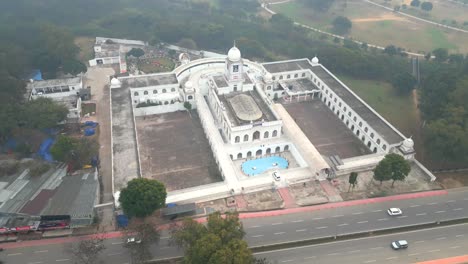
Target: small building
55	88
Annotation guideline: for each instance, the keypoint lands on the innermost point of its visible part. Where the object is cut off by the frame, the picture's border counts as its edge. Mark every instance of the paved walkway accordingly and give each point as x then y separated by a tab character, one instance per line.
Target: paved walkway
288	200
242	216
453	260
241	202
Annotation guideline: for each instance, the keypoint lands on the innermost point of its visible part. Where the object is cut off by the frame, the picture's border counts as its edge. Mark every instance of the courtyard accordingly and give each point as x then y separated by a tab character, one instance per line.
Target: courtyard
174	150
326	132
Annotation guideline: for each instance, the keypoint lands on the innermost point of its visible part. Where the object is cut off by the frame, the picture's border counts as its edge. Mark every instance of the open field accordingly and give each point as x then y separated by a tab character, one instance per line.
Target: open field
156	65
86	48
378	26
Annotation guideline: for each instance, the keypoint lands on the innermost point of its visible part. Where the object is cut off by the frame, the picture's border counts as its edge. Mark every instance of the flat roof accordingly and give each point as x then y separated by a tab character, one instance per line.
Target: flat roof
267	114
299	85
100	40
148	80
55	82
287	66
376	122
220	81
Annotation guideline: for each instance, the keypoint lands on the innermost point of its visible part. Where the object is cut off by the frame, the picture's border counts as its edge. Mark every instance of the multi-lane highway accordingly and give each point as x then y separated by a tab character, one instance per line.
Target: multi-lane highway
278	229
428	244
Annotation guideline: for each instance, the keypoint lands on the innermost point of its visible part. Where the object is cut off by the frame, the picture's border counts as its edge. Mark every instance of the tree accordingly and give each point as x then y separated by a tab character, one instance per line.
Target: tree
87	251
341	25
392	167
142	197
426	6
415	3
352	179
136	52
43	113
220	241
188	106
75	152
391	50
441	54
147	234
187	43
404	83
74	67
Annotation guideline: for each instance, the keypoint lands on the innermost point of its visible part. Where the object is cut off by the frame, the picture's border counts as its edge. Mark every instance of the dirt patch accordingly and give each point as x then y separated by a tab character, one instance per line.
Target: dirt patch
308	193
263	201
380	18
452	179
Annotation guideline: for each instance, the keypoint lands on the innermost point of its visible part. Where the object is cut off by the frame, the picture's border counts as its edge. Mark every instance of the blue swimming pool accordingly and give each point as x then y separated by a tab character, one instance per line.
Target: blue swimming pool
257	166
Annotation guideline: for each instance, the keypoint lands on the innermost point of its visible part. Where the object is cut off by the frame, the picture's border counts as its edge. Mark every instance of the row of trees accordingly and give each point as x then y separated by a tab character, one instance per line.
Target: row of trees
426	6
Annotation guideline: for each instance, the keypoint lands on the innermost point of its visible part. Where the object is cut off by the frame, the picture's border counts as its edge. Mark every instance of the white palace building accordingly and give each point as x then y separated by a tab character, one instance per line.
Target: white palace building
236	101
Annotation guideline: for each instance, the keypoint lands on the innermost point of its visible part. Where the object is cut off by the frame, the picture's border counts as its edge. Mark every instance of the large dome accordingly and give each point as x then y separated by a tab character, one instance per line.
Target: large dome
234	54
315	60
408	143
268	77
115	82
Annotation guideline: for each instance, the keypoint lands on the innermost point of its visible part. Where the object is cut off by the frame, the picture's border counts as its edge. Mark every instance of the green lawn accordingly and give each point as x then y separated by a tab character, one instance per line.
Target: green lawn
398	110
164	65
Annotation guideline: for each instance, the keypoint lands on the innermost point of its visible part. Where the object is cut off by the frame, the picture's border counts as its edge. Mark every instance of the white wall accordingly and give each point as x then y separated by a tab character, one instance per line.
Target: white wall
159	109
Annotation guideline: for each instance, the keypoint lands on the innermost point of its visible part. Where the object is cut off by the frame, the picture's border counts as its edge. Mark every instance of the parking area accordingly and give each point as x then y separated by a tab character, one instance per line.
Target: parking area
175	151
326	132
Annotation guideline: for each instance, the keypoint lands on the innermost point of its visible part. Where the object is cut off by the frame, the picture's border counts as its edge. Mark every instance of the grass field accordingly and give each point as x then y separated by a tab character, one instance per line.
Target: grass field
376	25
86	48
398	110
162	65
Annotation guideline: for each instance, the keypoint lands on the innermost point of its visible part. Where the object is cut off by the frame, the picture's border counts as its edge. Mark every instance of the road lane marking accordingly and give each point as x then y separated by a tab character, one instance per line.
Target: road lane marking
382	219
414	254
289	260
415	205
422	214
279	233
254	226
117	243
318	218
113	254
37	262
432	203
402	216
420	241
440	238
459	235
321	227
60	260
335	216
390	258
14	254
439	212
257	236
455	247
434	250
370	261
375	211
357	213
345	224
311	257
376	248
41	251
277	223
451	201
353	251
301	230
334	254
362	222
457	209
298	221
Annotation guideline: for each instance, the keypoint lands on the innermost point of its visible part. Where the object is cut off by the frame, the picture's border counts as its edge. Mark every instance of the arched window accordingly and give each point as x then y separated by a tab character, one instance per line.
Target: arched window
384	147
249	154
363	138
277	149
368	144
274	78
246	138
190	97
339	104
258	153
296	75
164	90
375	150
355	119
360	124
349	113
378	141
145	92
275	133
166	102
342	117
135	94
352	128
366	129
303	74
268	151
286	148
232	158
269	87
358	132
344	109
237	139
173	90
281	77
155	91
289	76
266	134
347	122
239	156
372	135
256	135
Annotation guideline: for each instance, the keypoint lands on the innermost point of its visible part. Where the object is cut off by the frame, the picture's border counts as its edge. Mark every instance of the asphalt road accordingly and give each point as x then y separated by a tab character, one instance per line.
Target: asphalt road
429	244
278	229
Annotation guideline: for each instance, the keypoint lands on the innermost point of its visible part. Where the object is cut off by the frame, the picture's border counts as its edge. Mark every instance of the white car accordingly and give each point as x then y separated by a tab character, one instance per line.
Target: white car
399	244
276	176
133	240
394	211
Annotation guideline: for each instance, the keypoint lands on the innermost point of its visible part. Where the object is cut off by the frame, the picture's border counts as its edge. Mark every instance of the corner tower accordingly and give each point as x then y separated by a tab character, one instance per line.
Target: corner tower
234	70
